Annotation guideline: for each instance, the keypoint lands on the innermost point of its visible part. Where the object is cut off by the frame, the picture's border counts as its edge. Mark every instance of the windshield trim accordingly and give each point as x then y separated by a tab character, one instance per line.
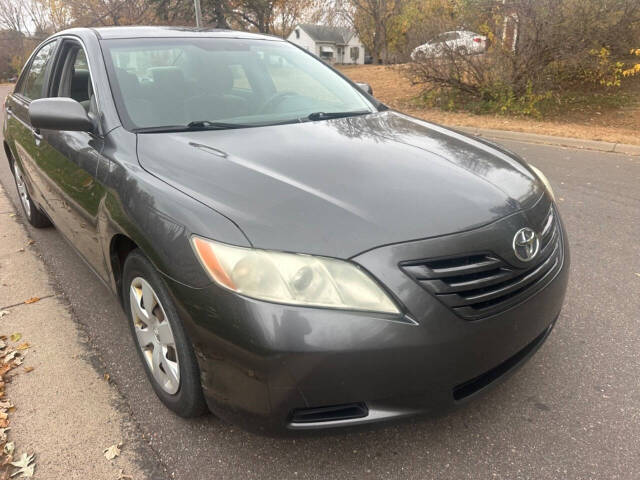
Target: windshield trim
128	124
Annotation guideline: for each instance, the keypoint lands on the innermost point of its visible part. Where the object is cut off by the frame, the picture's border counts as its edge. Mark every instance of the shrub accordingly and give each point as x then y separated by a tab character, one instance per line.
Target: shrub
537	49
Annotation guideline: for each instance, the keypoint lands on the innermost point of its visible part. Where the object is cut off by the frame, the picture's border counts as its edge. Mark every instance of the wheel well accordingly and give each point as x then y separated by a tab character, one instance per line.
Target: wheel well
120	247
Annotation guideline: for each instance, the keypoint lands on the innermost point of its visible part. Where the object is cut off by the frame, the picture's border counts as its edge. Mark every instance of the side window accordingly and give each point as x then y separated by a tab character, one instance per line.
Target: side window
72	78
34	80
80	78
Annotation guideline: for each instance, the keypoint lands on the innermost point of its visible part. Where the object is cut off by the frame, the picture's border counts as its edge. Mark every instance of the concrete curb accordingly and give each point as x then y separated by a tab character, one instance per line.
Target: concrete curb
577	143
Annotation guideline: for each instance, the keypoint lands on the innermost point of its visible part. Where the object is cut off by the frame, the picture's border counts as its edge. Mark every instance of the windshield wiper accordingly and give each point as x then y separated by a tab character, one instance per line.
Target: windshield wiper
194	127
315	116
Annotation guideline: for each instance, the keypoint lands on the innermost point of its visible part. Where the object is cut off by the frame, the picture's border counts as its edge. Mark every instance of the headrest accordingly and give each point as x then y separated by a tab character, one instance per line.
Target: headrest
167	78
217	77
128	82
79	83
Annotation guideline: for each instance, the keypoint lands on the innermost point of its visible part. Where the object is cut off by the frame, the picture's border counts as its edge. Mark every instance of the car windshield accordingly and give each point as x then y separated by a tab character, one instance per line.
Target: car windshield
197	83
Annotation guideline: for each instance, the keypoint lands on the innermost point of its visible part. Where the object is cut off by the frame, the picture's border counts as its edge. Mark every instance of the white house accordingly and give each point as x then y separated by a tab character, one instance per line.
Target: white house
332	44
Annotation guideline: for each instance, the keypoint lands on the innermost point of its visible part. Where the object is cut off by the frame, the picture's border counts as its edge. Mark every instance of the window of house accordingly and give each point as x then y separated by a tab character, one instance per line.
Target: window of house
297	33
34	80
355	53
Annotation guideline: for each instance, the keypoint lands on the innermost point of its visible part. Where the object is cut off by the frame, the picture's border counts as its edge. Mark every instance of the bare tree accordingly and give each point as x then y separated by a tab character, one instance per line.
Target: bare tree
12	15
371	19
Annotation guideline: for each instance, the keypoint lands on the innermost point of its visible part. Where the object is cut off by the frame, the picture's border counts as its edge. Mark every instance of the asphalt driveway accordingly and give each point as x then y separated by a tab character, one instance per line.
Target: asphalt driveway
572	412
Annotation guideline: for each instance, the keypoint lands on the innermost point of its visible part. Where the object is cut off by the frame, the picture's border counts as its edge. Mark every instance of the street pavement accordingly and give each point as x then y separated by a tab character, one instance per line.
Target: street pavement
66	412
573	412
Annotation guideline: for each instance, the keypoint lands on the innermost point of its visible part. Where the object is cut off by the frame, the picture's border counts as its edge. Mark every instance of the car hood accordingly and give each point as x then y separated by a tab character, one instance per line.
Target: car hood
343	186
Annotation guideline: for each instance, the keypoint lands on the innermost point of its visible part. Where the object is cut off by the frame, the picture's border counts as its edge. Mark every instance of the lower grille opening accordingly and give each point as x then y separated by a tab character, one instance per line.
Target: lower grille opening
331	413
472	386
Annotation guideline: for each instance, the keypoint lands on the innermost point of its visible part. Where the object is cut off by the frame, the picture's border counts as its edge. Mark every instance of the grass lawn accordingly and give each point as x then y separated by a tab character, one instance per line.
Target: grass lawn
598	120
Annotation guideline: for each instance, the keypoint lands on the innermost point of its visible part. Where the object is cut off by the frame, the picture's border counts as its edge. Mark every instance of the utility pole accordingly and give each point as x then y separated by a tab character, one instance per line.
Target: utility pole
196	4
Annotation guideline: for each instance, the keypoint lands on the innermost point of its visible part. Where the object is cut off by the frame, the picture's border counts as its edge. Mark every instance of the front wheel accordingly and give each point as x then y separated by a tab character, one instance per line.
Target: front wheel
34	215
162	343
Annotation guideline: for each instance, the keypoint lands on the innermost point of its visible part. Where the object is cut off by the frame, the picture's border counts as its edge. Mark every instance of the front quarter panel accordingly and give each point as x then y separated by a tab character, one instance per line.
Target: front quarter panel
157	217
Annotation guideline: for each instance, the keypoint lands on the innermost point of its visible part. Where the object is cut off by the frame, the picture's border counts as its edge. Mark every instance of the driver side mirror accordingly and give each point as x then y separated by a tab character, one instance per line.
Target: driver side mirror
365	87
59	113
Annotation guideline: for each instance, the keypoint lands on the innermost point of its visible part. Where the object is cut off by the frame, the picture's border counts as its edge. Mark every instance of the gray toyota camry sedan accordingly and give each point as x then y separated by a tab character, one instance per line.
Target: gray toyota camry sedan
290	252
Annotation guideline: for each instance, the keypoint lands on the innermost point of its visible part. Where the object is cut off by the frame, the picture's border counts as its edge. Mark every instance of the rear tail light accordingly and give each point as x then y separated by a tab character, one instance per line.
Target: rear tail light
477	40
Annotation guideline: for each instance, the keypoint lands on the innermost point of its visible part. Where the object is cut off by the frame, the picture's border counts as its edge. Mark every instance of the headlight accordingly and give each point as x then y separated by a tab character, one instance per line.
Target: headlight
544	180
292	278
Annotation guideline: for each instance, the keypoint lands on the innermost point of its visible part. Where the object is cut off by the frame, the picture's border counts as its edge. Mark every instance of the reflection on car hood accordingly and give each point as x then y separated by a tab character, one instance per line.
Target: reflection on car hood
340	187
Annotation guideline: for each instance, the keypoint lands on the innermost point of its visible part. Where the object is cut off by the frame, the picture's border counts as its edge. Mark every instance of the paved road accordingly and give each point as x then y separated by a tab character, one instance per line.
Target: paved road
572	412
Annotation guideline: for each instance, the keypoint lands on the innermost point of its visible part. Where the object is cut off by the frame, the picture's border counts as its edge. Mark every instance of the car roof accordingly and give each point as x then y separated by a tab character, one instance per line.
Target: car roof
168	32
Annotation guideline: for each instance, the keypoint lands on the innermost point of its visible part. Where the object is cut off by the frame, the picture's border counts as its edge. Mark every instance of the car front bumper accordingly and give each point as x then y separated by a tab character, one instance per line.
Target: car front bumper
261	362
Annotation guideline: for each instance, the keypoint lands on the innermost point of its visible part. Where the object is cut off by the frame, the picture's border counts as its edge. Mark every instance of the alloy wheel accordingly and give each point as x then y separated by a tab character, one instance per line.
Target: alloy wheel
155	336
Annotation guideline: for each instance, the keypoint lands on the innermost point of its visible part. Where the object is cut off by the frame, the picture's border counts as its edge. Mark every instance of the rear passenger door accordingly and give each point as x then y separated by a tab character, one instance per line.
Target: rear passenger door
71	163
24	140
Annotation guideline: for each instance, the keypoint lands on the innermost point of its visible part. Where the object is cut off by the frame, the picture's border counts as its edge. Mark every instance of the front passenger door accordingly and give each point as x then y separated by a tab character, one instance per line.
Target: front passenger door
72	162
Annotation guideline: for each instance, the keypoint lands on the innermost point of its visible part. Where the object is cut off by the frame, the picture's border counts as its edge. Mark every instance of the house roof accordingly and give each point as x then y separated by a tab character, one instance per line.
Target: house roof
324	33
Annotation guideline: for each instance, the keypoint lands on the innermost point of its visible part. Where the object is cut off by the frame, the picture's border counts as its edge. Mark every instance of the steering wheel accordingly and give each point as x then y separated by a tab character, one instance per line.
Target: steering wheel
275	100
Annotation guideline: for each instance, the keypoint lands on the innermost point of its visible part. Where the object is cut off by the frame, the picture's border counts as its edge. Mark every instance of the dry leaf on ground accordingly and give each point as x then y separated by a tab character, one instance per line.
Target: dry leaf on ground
15	336
122	476
113	451
4	312
32	300
25	465
23	346
28	369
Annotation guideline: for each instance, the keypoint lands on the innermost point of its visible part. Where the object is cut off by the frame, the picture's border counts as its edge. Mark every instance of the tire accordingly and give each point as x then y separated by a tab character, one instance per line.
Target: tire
172	351
34	215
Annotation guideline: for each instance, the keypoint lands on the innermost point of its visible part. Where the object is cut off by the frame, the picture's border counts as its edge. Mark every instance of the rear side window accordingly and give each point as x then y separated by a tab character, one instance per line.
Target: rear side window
34	80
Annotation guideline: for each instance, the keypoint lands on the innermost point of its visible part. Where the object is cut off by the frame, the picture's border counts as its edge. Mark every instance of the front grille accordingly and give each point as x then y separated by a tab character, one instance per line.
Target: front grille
481	284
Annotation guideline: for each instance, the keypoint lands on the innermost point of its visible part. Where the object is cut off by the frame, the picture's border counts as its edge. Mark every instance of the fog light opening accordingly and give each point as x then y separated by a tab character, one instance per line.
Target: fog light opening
331	413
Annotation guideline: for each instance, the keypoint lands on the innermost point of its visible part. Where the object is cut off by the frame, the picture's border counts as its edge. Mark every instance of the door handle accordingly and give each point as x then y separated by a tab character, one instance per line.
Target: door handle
37	136
9	111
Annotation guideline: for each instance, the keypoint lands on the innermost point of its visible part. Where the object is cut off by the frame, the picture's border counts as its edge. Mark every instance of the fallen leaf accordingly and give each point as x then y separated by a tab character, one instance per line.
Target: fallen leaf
25	466
638	274
23	346
5	405
20	250
4	312
122	476
31	242
8	448
28	369
3	434
112	452
11	356
32	300
2	345
107	377
12	214
15	337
